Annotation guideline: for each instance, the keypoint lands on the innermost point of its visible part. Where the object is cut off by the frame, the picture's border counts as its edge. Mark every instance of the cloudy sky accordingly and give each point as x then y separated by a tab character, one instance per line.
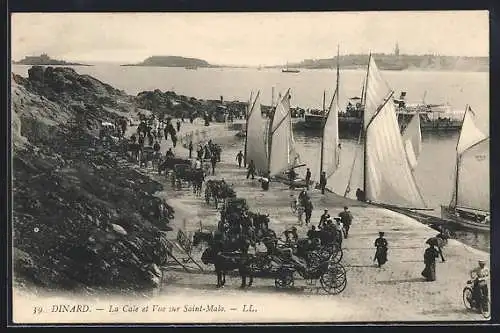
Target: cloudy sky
246	38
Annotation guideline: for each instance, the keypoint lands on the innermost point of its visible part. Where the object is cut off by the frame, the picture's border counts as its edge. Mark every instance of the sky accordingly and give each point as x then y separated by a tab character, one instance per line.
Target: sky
246	38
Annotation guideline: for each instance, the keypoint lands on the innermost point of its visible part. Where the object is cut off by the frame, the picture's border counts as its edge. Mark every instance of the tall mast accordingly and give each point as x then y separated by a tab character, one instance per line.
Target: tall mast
326	115
458	157
324	98
338	72
362	132
247	116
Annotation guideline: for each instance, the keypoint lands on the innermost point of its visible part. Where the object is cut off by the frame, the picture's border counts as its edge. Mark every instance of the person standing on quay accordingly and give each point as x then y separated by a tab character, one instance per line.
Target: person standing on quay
308	177
381	252
251	169
430	255
239	158
190	147
322	182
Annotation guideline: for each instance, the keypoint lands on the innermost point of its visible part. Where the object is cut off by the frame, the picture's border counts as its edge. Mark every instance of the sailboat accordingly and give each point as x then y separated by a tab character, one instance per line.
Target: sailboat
330	142
470	203
290	70
385	177
271	144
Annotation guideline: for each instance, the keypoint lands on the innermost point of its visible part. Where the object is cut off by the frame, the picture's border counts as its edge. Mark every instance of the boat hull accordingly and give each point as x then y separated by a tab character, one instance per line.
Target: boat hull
352	126
449	214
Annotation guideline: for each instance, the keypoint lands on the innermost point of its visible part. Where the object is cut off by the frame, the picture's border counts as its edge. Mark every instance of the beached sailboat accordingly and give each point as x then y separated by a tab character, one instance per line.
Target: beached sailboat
384	175
256	138
470	203
270	142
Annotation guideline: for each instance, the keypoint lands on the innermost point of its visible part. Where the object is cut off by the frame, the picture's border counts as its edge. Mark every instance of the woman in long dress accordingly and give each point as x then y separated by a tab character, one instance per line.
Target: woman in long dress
430	255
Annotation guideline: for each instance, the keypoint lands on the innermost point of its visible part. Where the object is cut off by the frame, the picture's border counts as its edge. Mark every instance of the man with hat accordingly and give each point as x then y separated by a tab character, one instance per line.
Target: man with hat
381	252
323	219
346	218
479	275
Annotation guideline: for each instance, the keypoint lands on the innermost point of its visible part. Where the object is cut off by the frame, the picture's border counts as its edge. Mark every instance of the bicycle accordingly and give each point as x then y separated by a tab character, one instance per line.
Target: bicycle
472	304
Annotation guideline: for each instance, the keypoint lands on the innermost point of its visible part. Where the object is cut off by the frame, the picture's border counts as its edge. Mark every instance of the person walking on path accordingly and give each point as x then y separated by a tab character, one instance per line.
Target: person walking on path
213	160
239	158
322	182
381	252
430	255
190	148
178	125
251	169
308	208
308	177
346	218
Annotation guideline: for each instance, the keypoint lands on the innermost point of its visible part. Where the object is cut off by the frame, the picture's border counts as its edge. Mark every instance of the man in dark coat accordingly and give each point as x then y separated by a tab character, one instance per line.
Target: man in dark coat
213	161
239	158
178	125
190	147
346	218
381	252
322	182
251	169
308	177
308	208
323	219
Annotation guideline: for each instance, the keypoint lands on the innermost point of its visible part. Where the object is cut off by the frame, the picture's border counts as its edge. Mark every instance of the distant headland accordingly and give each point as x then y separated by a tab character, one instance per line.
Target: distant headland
172	61
45	60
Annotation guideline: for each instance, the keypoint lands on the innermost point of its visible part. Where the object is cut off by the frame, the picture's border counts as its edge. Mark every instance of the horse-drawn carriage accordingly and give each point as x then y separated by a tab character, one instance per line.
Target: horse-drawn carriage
218	190
239	229
186	174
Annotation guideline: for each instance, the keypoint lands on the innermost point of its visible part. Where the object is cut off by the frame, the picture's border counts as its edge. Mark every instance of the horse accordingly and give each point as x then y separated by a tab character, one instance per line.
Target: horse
229	256
169	163
197	177
217	189
134	149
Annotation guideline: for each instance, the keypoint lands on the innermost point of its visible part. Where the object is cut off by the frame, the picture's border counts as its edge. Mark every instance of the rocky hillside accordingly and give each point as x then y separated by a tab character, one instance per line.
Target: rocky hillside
168	103
82	218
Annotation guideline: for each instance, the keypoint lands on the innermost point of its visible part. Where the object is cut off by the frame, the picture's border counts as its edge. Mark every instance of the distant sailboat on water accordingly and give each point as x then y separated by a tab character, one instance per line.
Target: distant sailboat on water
290	70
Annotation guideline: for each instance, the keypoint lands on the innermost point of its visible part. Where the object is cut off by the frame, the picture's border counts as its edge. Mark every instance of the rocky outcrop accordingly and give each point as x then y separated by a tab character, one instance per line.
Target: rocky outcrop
44	59
168	103
82	219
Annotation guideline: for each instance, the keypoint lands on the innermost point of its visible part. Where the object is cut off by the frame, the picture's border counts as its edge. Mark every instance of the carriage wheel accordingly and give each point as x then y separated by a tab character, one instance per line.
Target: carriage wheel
334	280
284	280
337	255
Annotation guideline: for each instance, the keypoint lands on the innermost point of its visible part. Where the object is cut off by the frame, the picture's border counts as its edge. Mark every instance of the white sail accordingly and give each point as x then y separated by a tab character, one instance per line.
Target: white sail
376	90
388	175
256	137
283	154
412	139
472	180
473	190
331	149
469	134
